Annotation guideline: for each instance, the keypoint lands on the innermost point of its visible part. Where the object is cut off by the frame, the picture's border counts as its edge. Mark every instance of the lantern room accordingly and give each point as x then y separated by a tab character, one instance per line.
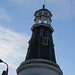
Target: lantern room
43	16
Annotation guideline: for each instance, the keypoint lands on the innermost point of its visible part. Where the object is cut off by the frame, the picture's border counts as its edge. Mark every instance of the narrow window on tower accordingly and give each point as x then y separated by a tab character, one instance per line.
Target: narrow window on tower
45	41
44	32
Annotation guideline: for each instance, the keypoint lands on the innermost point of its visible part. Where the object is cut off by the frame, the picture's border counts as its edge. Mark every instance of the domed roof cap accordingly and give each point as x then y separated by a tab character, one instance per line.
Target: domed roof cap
43	9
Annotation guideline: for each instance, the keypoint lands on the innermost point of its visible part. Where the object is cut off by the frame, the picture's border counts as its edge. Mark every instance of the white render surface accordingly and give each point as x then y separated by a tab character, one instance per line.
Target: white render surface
38	69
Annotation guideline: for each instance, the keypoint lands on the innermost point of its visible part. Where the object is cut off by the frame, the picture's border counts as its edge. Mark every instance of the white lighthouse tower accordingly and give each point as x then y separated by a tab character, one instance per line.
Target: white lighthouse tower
40	58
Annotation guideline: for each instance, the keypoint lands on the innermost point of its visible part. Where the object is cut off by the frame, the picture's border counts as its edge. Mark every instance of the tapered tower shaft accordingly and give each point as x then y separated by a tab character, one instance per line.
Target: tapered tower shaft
40	58
41	43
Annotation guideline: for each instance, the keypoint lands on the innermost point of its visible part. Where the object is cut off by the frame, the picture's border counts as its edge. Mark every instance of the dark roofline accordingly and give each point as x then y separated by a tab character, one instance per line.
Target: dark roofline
44	10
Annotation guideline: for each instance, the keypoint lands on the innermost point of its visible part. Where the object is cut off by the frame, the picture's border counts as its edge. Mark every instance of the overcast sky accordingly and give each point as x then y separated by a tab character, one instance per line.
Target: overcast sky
16	19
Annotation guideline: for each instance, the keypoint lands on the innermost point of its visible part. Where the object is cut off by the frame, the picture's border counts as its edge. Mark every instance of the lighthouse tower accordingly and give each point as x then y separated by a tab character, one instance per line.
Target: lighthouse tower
40	58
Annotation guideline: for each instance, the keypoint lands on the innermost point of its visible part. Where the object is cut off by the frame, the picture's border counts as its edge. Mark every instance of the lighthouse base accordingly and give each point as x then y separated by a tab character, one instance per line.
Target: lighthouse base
39	67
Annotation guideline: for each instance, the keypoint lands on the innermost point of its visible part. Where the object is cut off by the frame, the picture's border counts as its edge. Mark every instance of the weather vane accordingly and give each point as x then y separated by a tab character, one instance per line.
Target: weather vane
44	2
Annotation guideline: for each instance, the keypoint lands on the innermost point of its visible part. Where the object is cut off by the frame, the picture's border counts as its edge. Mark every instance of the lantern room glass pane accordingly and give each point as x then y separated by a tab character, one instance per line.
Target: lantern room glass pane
39	21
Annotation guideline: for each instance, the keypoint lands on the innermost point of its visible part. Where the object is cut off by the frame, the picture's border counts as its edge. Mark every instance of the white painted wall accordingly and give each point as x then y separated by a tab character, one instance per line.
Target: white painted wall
38	67
38	71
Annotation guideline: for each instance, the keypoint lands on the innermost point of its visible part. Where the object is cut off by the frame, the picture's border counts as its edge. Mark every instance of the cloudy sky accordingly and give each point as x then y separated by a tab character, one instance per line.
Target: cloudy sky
16	19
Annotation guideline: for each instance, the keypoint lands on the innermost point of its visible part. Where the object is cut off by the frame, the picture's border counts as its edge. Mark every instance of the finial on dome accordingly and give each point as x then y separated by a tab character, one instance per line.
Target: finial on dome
43	6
